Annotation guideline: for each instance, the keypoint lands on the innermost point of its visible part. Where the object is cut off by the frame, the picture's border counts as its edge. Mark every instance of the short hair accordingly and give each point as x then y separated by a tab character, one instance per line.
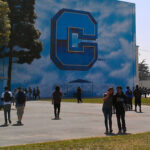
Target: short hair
137	86
111	88
57	88
19	88
6	88
119	87
127	87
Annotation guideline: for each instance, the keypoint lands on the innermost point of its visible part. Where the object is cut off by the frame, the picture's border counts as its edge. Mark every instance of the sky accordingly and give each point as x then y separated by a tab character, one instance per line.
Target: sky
142	28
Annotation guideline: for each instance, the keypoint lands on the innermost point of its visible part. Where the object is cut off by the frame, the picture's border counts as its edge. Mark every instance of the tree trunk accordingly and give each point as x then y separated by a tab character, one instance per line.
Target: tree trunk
9	69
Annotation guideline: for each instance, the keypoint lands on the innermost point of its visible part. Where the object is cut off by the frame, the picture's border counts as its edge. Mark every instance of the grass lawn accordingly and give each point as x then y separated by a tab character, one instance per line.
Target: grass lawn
145	101
122	142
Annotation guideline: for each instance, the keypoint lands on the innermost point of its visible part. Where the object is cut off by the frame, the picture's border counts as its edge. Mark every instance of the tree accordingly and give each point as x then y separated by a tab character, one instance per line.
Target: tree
4	24
24	45
144	72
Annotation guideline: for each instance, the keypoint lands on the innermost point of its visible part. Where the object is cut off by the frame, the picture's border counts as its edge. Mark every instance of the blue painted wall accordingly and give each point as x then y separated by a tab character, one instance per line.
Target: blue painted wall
115	63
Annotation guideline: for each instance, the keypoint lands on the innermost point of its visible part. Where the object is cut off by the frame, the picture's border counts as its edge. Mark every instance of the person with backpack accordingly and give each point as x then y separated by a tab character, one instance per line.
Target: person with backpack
129	97
119	103
20	104
6	99
56	100
137	94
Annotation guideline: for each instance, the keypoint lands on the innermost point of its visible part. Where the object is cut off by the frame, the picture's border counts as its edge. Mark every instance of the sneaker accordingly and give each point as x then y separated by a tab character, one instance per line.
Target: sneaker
5	124
111	131
119	132
9	121
106	132
19	123
124	131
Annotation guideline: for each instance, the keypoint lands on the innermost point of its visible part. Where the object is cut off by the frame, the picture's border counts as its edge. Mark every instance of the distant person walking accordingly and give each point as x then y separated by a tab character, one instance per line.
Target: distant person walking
79	95
34	94
137	94
30	93
119	103
56	100
14	96
129	96
6	99
107	109
38	92
20	104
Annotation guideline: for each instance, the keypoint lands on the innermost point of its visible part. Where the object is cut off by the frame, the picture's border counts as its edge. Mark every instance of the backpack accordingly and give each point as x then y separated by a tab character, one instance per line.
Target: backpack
137	94
57	97
21	97
7	96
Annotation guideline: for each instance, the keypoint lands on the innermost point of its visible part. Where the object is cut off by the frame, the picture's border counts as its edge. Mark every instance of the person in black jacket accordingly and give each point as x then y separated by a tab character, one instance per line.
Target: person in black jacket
137	94
79	95
20	104
56	100
119	103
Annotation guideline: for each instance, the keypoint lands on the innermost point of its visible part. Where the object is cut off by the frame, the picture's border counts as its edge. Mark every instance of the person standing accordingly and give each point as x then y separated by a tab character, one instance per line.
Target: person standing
20	104
7	98
137	94
79	95
107	109
38	92
56	100
14	96
129	97
119	103
34	94
30	93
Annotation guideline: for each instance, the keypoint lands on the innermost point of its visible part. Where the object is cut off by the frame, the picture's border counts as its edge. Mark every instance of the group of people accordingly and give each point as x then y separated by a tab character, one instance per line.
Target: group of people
20	100
120	102
31	94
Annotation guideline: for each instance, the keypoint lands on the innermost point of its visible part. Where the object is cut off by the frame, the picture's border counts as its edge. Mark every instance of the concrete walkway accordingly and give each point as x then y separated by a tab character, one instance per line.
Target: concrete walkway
77	121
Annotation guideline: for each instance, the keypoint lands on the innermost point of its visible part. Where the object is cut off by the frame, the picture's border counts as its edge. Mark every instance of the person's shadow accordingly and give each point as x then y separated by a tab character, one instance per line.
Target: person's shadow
4	125
117	134
56	118
16	124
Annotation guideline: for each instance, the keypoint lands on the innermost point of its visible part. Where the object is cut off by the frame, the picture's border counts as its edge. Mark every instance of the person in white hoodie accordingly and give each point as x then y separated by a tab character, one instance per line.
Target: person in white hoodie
7	99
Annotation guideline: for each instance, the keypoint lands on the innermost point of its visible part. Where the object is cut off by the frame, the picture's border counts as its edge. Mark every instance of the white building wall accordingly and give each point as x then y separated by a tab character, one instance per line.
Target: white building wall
137	61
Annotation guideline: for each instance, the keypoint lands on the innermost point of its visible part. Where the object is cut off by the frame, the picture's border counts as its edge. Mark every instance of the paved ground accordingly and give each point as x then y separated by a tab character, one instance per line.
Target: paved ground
77	121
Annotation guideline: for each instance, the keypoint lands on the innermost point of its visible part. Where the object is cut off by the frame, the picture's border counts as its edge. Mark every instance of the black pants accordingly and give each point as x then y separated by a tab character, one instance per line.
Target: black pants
7	109
56	110
138	102
121	121
107	117
79	99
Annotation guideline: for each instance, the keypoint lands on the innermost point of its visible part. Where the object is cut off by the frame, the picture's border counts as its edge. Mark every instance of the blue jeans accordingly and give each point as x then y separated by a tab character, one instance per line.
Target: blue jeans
108	117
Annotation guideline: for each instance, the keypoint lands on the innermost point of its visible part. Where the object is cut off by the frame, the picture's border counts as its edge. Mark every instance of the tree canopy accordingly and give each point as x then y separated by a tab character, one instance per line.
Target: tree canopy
144	72
24	45
24	39
4	24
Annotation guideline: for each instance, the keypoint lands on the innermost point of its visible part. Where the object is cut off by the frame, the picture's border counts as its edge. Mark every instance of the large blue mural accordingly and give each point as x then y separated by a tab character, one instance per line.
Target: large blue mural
92	42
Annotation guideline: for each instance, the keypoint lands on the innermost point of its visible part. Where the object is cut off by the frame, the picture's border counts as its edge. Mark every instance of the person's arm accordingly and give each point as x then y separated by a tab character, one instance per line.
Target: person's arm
106	97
